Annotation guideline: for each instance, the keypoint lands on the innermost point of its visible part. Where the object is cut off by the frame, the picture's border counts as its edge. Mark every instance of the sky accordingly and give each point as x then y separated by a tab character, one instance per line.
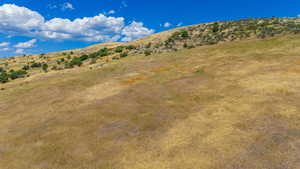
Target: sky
41	26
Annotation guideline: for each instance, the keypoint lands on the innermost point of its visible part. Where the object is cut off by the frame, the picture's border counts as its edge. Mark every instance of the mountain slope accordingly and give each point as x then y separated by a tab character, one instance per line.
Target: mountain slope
188	37
230	105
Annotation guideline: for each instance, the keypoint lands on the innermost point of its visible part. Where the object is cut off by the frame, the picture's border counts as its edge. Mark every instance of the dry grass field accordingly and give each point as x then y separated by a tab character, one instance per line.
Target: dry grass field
228	106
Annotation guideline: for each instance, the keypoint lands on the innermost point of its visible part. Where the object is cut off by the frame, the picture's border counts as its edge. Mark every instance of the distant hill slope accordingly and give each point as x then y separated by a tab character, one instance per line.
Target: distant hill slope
225	106
186	37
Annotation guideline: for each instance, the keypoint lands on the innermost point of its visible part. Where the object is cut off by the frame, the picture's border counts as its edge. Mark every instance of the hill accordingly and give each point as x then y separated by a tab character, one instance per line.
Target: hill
189	37
227	105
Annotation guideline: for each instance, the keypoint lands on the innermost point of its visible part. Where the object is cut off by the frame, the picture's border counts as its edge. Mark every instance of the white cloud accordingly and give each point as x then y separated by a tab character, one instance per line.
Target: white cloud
15	20
167	24
179	24
135	30
28	44
111	12
66	6
20	51
4	44
4	49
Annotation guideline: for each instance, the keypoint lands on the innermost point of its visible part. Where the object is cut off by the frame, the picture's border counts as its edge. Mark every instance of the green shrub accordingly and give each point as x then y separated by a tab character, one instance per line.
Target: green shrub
17	74
3	77
2	69
35	65
116	58
119	49
124	54
215	27
62	59
185	45
101	53
26	67
200	71
84	57
76	62
147	52
184	33
45	67
54	67
130	47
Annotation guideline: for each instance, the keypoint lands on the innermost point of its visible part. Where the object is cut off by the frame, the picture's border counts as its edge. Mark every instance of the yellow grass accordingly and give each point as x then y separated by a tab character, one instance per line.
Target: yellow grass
157	112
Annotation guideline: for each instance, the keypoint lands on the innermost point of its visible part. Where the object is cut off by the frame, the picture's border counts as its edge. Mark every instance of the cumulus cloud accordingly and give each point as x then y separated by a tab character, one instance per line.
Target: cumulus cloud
66	6
15	20
179	24
4	44
167	24
28	44
20	51
4	49
135	30
111	12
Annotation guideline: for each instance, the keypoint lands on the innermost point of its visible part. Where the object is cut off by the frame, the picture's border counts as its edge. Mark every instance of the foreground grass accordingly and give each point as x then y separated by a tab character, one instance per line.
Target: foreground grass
232	105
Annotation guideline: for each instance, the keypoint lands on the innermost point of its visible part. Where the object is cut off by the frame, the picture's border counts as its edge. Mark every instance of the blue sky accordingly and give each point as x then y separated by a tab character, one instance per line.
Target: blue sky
35	26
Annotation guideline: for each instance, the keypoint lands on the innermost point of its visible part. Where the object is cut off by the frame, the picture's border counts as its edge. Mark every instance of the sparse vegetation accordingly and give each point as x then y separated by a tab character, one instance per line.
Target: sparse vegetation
36	65
76	61
45	67
119	49
3	77
131	47
147	52
124	54
17	74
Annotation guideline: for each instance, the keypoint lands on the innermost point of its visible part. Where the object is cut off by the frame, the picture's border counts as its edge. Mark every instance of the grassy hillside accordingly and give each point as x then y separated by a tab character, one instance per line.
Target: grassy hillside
230	105
188	37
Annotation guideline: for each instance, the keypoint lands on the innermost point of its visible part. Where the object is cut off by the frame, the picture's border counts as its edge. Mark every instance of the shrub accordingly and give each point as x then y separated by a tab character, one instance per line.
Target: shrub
54	67
1	69
68	65
17	74
84	57
124	54
116	58
68	57
184	33
62	59
35	65
215	27
42	55
200	71
26	67
45	67
148	45
101	53
147	52
185	45
119	49
130	47
71	53
3	77
76	62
